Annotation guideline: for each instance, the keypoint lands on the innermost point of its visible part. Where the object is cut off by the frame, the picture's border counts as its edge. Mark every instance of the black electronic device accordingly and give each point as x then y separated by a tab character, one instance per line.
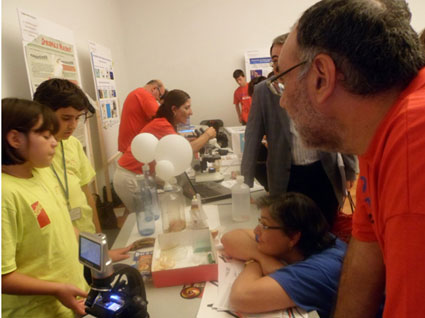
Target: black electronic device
209	191
117	291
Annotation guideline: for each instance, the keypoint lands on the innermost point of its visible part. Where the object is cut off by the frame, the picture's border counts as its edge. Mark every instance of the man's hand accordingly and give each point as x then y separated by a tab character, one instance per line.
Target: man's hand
67	294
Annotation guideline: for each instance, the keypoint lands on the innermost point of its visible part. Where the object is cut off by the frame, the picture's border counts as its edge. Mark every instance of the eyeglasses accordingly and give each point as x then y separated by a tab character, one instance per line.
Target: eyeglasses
266	227
279	88
85	116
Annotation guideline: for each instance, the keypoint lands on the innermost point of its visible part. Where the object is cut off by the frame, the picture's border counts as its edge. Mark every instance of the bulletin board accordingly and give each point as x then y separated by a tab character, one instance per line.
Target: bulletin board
106	95
257	63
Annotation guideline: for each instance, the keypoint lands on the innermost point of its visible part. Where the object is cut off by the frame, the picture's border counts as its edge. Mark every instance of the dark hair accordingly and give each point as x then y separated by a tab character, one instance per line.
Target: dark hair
22	115
279	40
370	42
422	40
60	93
175	97
238	73
295	213
162	97
254	82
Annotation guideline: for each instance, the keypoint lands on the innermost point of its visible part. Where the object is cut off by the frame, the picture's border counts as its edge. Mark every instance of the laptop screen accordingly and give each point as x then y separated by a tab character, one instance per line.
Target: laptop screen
184	181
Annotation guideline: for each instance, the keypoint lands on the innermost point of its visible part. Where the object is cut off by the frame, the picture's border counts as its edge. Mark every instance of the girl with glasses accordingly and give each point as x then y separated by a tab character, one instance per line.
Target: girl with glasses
291	258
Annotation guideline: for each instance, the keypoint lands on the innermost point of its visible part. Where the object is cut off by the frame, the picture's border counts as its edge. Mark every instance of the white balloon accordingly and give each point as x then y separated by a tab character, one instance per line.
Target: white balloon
175	149
143	147
164	169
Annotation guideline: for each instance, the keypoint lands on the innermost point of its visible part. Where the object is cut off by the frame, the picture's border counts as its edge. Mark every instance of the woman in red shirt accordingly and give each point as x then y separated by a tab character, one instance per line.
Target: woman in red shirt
175	109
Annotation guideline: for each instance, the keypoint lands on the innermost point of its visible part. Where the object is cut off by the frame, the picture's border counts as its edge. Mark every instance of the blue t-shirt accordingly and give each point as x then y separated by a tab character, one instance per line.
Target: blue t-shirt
312	283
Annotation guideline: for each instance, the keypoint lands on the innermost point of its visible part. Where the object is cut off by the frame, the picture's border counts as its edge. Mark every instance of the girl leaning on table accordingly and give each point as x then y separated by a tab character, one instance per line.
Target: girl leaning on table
41	274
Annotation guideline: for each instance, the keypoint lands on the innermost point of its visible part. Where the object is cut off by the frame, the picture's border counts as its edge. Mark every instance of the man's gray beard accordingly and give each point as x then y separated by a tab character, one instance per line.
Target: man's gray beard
320	132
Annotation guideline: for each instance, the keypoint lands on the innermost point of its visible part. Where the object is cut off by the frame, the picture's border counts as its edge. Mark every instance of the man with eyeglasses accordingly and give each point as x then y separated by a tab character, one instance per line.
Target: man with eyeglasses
290	165
290	258
139	108
357	84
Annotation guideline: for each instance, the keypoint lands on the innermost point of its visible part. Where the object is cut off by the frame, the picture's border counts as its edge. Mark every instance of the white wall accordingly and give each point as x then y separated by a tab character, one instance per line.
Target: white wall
196	45
193	45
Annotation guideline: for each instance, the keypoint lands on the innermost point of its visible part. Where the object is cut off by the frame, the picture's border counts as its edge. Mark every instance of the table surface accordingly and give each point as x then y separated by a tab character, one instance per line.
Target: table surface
166	301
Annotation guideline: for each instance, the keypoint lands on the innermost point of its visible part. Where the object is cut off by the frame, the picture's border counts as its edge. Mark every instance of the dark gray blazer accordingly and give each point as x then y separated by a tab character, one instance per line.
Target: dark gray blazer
266	117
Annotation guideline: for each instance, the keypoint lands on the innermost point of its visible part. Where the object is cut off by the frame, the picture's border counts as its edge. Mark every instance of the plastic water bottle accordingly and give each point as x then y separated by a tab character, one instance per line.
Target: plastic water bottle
154	192
143	206
240	200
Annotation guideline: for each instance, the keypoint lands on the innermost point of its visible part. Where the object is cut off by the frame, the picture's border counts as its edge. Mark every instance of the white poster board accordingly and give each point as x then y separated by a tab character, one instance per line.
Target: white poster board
257	63
49	51
106	95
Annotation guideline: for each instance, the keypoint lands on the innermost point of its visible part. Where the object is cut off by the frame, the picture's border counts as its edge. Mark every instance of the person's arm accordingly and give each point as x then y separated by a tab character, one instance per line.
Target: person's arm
91	202
254	133
362	280
253	293
238	111
19	284
241	244
199	142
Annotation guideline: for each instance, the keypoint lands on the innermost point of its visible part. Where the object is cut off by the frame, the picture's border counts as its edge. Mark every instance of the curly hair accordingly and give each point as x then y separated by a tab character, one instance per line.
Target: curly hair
371	42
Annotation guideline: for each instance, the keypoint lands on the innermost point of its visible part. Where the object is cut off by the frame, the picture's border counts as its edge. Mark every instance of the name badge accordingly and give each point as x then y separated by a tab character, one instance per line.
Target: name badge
75	214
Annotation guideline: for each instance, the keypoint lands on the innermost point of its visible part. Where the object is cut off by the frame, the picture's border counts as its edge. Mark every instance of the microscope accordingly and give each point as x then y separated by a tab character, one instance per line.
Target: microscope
117	290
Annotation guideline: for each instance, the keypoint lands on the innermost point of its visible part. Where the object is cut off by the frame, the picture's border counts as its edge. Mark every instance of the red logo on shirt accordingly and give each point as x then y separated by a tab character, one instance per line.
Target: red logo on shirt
42	217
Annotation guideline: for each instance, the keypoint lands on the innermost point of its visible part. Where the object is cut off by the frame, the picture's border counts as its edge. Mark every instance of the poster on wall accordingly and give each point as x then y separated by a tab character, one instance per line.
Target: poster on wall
49	52
106	93
257	63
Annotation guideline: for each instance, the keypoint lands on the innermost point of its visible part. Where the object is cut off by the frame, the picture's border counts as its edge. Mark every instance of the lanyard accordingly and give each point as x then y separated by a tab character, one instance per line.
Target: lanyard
66	187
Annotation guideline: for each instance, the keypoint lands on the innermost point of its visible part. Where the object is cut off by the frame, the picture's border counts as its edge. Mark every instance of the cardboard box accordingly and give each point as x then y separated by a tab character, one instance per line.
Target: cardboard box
184	257
236	136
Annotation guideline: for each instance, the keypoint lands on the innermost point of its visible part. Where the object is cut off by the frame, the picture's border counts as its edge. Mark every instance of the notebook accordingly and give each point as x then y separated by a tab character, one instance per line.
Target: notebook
209	191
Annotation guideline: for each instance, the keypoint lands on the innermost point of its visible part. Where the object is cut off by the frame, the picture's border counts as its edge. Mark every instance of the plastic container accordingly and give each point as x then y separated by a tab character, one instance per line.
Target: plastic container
144	212
240	201
172	205
154	192
197	218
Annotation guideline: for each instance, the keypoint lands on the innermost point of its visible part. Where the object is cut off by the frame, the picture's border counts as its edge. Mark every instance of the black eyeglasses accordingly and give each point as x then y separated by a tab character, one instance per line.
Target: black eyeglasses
85	116
266	227
279	88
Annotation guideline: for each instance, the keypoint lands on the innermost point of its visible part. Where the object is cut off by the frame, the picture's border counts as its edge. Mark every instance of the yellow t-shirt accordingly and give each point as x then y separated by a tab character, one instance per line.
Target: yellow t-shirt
79	173
38	240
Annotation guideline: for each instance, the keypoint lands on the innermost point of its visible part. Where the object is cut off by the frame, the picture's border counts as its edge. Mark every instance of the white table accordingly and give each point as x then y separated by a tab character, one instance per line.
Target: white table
166	301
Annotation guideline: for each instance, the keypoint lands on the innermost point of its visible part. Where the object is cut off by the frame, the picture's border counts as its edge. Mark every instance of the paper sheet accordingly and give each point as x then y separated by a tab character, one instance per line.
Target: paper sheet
215	299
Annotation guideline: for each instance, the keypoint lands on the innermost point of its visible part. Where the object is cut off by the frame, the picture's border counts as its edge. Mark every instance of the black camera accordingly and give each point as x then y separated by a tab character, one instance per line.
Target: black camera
117	290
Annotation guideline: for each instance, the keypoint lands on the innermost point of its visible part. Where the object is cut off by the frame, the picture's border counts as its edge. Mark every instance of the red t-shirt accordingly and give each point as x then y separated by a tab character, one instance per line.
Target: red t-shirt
139	108
159	127
391	200
241	97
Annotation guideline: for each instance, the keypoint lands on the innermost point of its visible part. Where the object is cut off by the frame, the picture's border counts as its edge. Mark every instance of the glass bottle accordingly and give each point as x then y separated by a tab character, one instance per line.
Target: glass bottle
172	205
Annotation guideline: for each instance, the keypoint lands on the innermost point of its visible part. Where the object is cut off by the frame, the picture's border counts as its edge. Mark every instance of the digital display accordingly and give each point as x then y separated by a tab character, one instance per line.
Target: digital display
113	306
90	251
